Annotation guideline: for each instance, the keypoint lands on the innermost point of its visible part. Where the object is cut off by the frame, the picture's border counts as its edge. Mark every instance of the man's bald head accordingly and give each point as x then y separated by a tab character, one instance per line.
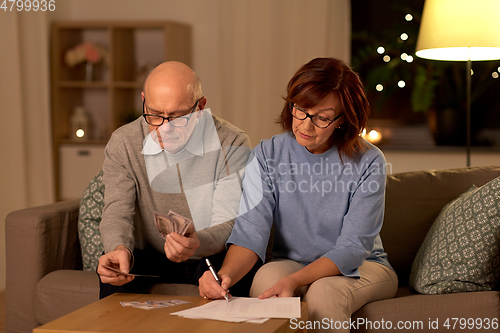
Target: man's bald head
173	77
172	90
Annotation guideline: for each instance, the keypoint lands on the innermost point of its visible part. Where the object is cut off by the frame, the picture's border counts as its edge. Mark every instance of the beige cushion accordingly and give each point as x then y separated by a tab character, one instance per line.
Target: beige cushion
63	291
414	200
38	240
461	252
421	308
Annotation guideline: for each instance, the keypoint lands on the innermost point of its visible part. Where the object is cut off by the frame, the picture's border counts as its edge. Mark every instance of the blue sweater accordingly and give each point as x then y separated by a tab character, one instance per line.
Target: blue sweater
320	206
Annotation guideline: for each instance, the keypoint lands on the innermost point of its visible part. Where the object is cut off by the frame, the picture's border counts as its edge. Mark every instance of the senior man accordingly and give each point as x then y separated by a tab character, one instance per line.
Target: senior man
176	157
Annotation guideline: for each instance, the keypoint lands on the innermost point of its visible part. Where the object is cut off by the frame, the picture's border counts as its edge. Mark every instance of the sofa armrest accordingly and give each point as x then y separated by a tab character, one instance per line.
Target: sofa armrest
39	240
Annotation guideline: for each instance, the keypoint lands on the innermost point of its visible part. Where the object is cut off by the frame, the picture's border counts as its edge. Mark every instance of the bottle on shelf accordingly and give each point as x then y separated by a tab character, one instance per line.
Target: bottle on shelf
80	129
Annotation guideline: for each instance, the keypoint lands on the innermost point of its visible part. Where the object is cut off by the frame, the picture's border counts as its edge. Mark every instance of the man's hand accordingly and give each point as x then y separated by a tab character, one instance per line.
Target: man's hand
179	248
283	288
120	259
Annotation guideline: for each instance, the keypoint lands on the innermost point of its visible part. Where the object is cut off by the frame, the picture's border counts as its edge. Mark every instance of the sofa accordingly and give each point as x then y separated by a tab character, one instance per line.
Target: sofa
45	279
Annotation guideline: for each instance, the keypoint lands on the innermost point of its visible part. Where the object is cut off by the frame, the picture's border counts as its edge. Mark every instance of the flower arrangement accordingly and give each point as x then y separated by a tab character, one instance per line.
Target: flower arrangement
84	52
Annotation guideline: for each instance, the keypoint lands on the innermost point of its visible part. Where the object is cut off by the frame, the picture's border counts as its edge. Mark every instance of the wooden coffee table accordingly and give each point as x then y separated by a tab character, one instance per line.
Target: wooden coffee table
108	315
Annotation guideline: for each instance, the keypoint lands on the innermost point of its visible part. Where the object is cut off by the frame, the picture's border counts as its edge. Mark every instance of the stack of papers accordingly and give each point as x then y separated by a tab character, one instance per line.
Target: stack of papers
244	309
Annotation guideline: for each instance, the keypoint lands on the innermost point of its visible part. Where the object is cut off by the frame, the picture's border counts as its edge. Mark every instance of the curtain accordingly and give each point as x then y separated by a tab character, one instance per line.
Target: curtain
26	167
261	45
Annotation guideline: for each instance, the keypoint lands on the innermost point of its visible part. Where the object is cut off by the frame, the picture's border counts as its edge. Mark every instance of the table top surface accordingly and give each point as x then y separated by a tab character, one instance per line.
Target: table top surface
108	315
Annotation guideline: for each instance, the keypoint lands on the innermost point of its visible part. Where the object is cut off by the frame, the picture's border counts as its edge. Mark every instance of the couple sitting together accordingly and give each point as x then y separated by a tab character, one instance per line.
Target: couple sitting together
178	156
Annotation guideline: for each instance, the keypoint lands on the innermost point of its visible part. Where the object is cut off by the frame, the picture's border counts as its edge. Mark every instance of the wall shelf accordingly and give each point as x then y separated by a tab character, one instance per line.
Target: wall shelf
112	97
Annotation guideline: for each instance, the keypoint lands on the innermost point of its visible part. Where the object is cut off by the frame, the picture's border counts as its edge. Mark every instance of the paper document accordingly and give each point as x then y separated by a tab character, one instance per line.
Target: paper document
240	309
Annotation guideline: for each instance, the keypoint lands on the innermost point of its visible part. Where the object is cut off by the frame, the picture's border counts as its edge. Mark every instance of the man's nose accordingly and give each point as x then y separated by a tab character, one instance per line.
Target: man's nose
166	127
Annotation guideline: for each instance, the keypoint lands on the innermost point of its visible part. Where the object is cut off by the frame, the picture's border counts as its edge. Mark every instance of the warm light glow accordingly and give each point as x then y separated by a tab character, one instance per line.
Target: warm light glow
379	87
403	56
380	50
387	58
404	36
401	84
458	31
460	53
80	133
494	75
409	17
373	136
409	58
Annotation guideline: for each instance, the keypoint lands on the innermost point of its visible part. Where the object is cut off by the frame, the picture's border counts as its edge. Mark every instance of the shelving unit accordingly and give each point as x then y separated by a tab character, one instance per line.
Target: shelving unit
112	98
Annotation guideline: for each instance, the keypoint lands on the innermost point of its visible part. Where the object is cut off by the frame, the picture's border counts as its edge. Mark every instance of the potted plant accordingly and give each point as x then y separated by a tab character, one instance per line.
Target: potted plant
396	78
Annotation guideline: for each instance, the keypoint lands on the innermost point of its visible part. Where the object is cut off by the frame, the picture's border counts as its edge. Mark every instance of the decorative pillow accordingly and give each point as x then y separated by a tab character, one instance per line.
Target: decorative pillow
89	218
461	251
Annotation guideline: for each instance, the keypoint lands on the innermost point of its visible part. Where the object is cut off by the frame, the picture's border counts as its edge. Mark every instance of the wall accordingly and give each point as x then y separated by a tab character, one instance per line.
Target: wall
244	51
446	158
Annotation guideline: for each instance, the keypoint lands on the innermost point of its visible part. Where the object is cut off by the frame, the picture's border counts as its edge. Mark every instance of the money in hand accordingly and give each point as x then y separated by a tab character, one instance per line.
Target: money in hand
172	222
126	274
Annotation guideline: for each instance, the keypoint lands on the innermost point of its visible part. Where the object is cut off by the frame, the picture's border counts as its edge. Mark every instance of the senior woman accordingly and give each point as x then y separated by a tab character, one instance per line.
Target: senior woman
322	187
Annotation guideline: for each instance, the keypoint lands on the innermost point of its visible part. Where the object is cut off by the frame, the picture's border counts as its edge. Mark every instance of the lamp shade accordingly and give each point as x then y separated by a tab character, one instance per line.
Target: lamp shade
460	30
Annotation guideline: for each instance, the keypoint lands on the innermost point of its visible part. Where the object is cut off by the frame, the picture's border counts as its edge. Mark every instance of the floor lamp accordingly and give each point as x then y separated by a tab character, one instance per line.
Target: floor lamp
460	30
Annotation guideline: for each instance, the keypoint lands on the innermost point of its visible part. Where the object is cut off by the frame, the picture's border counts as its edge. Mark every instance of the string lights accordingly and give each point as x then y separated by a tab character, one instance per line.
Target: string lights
404	56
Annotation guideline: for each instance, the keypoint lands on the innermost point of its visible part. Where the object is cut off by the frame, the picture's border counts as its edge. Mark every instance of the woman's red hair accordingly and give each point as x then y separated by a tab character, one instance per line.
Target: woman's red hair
319	78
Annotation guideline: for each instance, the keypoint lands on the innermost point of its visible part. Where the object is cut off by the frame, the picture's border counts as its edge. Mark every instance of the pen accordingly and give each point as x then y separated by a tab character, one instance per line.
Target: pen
209	264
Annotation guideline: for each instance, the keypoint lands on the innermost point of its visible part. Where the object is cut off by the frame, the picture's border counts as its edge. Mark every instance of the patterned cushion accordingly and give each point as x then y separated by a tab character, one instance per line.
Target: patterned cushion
461	252
88	223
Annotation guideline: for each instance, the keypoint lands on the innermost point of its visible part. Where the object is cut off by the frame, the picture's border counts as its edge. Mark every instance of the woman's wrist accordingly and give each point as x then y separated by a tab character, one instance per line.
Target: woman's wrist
224	274
294	280
237	263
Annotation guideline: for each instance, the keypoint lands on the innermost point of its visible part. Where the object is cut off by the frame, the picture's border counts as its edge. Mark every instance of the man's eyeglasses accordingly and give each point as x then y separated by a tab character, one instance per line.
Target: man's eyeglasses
317	121
156	120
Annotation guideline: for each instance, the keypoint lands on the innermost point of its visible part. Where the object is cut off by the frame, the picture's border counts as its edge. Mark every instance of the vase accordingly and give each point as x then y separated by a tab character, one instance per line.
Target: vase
80	124
89	71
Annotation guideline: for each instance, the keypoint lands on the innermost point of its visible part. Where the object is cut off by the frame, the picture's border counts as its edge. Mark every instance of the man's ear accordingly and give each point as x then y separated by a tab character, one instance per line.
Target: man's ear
201	106
202	103
142	96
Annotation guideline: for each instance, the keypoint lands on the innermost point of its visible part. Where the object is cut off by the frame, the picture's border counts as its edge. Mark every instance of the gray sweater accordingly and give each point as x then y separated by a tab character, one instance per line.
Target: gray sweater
130	202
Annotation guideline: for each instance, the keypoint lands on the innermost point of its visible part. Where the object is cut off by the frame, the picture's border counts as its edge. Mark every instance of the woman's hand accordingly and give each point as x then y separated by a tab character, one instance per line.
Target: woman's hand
179	248
237	263
283	288
316	270
209	288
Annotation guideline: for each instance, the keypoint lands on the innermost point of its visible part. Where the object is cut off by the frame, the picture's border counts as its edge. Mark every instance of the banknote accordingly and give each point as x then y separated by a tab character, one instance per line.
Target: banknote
126	274
149	305
172	222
